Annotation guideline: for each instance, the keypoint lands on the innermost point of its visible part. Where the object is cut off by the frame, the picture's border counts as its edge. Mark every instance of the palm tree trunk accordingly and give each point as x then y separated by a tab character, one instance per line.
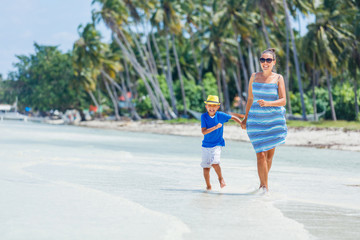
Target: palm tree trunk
145	76
313	90
333	114
218	69
123	91
288	25
146	67
179	73
194	55
116	98
200	78
314	96
223	77
150	50
169	76
287	71
238	84
93	98
134	114
356	98
242	61
115	103
128	80
264	27
201	57
251	60
151	57
154	101
256	61
143	73
158	53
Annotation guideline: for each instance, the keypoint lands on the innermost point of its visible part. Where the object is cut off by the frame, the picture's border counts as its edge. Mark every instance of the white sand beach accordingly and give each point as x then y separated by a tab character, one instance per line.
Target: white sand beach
108	184
339	139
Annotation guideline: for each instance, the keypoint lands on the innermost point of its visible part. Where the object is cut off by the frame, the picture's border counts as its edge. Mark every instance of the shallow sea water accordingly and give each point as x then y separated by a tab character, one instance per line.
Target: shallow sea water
65	182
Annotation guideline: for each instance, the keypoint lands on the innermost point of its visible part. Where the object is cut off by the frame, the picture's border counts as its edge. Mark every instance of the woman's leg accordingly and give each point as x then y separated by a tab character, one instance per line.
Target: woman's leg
262	169
269	158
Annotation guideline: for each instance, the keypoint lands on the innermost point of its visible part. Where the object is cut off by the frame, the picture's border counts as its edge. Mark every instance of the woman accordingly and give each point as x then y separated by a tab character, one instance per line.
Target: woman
265	115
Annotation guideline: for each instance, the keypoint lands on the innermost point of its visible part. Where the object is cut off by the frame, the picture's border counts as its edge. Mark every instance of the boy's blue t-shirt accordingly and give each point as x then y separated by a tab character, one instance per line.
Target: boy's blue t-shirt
215	138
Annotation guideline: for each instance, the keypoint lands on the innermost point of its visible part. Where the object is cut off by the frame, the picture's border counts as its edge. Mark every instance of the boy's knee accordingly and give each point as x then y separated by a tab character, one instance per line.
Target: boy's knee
215	165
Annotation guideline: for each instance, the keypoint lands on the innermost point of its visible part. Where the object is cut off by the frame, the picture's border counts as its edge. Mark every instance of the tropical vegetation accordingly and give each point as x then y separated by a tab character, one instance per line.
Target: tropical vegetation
166	56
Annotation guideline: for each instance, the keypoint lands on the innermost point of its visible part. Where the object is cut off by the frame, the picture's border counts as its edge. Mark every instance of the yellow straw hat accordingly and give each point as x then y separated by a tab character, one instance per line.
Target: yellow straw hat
212	99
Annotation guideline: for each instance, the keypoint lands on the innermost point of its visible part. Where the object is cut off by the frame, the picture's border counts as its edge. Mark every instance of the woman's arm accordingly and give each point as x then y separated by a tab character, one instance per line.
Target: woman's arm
282	96
249	102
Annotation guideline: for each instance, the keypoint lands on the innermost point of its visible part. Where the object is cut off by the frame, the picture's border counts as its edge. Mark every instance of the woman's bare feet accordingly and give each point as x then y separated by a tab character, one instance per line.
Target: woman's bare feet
222	182
208	187
264	188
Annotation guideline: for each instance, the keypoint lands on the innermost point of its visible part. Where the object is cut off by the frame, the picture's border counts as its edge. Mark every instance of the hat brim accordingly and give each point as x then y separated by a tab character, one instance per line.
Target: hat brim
210	102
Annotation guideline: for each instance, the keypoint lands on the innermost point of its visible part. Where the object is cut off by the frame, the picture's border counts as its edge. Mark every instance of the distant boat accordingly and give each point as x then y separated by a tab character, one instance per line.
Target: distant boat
9	112
12	116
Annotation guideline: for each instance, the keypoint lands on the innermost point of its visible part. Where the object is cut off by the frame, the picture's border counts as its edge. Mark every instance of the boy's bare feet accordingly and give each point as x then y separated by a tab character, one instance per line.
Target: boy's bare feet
222	182
208	187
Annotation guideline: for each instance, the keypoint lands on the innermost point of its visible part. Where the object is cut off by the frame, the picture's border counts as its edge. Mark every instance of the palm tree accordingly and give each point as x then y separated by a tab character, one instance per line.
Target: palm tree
114	14
330	39
167	16
220	40
100	61
265	7
240	23
354	48
86	58
297	67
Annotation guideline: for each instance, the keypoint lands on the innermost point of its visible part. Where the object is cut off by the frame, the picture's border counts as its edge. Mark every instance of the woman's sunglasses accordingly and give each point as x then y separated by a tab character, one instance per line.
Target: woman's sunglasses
268	60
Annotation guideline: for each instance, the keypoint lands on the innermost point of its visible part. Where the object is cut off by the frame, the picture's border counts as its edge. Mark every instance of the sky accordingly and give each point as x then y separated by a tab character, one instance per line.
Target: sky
47	22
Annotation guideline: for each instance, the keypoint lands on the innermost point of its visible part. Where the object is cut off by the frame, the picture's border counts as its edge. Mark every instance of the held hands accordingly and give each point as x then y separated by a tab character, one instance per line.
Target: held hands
243	123
262	103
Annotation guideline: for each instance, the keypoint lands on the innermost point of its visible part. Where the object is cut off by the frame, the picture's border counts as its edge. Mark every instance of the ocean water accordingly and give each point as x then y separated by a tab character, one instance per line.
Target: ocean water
66	182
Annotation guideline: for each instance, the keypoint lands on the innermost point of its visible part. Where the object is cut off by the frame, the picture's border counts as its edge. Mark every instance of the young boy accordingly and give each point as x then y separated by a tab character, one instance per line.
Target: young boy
212	127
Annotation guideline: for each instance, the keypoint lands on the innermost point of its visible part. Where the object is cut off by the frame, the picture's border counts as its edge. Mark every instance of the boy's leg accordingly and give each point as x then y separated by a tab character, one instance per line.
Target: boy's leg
217	169
207	178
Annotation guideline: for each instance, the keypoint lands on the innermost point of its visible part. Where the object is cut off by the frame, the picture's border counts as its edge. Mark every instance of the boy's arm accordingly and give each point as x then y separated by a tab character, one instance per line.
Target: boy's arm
209	130
236	119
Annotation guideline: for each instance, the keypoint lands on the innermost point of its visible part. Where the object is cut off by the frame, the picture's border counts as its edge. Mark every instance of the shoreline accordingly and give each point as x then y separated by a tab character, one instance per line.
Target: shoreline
336	139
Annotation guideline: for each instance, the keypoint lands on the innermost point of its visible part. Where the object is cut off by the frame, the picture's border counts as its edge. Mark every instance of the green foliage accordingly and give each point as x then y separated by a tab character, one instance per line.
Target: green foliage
193	93
210	85
344	97
296	103
143	102
43	81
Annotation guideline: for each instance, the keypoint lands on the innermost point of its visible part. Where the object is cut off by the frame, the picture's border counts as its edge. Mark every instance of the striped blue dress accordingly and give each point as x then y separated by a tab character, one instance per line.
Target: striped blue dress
266	126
